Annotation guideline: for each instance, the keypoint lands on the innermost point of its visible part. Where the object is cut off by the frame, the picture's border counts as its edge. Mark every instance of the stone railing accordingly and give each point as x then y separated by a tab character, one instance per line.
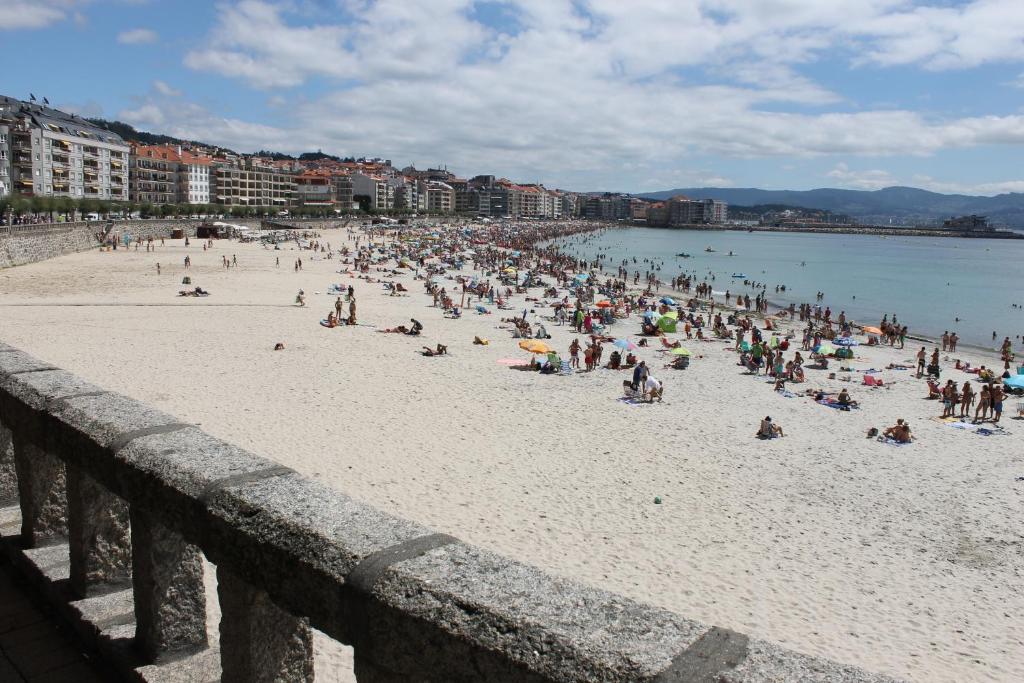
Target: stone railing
42	228
120	504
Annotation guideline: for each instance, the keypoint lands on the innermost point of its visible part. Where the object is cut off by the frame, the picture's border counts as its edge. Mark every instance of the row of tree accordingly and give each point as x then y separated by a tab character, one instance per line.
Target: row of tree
67	208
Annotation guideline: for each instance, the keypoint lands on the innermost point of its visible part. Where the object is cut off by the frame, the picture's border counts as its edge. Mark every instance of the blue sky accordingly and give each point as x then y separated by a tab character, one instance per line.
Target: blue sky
579	94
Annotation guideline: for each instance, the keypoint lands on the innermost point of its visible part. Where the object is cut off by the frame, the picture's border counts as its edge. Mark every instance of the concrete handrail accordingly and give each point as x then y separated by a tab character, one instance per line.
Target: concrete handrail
139	495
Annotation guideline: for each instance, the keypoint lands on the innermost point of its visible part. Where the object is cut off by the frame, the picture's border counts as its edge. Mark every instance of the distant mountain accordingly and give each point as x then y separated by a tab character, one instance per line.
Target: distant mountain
905	204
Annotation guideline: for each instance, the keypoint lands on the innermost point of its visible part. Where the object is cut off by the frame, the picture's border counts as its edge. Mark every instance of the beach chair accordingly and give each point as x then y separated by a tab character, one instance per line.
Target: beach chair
870	381
566	369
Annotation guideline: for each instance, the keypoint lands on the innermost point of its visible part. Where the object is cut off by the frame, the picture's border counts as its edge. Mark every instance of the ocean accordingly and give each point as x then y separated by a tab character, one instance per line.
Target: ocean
927	282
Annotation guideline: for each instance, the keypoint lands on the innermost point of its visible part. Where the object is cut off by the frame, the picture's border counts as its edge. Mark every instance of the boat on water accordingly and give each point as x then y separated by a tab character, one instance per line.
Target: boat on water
710	250
731	254
683	254
742	275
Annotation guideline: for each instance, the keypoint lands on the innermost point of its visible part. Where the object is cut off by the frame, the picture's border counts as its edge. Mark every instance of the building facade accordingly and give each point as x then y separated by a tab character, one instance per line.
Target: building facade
49	153
252	185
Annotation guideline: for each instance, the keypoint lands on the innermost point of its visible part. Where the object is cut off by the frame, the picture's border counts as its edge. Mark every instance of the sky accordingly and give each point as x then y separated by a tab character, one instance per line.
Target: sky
587	95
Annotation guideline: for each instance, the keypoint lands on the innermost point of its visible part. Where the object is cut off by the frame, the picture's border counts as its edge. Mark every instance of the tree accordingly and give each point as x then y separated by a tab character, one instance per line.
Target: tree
146	210
87	206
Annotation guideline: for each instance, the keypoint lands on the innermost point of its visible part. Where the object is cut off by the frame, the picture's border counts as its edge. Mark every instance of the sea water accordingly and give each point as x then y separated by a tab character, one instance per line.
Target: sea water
927	282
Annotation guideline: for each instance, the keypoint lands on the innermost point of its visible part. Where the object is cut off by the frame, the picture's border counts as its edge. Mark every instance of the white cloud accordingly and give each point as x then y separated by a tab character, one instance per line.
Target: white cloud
861	180
659	80
876	179
28	14
137	36
165	89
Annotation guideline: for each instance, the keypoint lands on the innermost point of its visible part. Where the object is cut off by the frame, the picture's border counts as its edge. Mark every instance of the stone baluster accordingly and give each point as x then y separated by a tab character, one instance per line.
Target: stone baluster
99	536
42	494
260	642
167	582
8	475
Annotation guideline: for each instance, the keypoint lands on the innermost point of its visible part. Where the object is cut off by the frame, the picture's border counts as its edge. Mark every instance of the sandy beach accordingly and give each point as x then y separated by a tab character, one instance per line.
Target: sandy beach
906	560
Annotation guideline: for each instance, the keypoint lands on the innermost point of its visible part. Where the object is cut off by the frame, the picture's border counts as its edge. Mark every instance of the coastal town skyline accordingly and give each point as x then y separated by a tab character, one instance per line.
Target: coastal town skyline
576	95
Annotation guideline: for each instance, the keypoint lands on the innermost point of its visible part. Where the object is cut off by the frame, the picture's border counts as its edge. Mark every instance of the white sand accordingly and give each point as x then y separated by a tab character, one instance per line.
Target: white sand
905	560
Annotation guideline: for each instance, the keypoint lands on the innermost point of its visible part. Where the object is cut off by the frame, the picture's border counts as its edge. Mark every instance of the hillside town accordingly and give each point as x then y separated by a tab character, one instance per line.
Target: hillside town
54	163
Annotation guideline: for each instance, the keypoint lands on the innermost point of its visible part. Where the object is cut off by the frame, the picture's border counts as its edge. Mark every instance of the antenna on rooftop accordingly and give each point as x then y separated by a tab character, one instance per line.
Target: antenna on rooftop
31	97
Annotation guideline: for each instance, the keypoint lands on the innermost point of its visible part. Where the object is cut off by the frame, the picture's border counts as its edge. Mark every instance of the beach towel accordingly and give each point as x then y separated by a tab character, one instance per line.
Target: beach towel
980	430
786	393
835	404
631	400
889	441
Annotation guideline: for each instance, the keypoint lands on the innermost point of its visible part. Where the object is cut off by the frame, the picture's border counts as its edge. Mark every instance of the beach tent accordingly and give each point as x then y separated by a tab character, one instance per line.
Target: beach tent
672	314
680	351
667	324
825	349
625	344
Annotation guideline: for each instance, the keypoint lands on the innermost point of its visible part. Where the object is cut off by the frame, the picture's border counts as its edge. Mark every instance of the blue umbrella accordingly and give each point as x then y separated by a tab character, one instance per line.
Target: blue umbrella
668	301
625	344
846	341
1015	382
652	314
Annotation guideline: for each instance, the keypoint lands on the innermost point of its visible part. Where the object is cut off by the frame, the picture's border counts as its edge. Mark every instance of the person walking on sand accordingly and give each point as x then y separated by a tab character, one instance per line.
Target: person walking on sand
337	308
574	354
922	357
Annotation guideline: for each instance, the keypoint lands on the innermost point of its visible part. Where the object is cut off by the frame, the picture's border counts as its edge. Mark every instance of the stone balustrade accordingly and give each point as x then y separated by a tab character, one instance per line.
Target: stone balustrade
131	501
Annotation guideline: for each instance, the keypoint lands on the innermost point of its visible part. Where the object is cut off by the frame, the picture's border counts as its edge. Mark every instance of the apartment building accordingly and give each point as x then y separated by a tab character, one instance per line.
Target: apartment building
680	210
154	174
373	191
253	185
49	153
314	189
194	175
440	197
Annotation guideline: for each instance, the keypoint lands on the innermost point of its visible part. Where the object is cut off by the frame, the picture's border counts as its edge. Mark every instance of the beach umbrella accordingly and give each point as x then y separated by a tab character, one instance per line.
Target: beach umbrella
872	330
825	349
672	314
668	301
604	304
667	324
847	341
625	344
1015	382
534	346
680	351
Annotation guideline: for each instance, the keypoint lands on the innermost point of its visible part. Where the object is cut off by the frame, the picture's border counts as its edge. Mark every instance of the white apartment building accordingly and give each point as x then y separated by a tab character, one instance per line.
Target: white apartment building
194	178
50	153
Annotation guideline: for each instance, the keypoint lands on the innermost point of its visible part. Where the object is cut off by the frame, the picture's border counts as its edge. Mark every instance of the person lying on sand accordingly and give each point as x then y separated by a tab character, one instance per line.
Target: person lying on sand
439	351
401	329
480	341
